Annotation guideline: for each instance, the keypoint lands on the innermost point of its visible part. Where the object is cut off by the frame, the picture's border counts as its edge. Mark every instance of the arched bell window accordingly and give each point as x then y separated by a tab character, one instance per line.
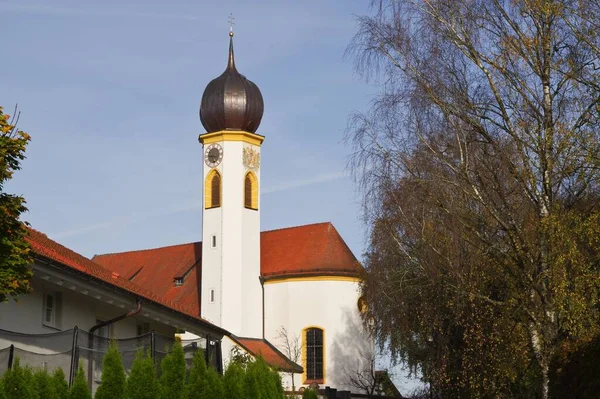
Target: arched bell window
212	190
250	191
314	355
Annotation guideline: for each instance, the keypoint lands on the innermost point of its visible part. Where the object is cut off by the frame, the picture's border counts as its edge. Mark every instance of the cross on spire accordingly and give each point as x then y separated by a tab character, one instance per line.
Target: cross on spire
231	23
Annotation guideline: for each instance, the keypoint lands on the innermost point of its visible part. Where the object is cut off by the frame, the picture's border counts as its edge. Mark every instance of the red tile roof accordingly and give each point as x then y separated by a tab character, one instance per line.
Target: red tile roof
310	250
272	356
313	249
43	246
156	270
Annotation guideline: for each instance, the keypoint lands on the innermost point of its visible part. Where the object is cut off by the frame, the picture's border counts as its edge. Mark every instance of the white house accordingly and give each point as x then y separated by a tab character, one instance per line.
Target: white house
304	279
76	306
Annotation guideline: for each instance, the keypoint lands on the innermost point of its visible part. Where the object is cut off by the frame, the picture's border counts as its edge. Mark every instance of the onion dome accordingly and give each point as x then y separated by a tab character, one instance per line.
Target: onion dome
231	101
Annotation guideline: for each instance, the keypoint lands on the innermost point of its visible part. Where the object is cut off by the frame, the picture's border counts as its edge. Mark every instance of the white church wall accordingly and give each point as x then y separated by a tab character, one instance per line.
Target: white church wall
328	304
251	324
231	299
233	269
211	261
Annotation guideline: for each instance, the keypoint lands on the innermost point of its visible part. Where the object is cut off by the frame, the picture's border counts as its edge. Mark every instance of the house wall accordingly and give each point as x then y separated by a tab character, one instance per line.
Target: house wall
326	302
74	309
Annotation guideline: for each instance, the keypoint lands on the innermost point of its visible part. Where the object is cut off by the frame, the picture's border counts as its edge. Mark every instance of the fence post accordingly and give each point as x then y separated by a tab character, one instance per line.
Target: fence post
207	352
74	359
152	345
219	357
11	355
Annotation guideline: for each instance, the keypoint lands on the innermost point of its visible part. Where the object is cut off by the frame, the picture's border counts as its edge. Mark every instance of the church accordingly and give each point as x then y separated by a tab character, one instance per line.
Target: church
303	280
290	295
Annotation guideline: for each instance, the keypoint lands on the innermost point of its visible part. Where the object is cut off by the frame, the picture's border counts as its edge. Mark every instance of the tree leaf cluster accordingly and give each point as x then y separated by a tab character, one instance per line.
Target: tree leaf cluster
15	272
479	168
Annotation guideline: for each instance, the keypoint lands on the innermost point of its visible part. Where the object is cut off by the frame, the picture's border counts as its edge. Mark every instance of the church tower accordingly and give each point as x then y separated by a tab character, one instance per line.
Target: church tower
231	111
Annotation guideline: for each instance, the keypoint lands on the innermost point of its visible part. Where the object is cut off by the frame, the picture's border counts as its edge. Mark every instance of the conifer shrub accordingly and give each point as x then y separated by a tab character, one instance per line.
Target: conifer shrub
310	394
214	382
79	389
278	385
113	380
2	393
19	382
142	383
44	385
233	381
173	373
262	382
203	382
60	384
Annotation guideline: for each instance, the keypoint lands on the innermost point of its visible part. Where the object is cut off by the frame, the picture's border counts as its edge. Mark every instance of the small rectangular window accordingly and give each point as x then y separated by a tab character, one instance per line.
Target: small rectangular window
212	296
51	309
213	241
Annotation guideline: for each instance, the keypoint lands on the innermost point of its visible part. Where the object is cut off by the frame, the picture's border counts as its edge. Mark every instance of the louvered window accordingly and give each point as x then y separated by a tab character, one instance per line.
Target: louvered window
314	354
248	192
215	191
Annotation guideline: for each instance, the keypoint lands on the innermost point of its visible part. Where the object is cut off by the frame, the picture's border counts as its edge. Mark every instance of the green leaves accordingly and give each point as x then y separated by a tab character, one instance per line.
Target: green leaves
173	373
80	389
142	383
113	375
252	379
14	250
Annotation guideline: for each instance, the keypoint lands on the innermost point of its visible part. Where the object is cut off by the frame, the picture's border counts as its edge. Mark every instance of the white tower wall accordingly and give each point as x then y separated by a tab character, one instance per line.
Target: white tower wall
232	269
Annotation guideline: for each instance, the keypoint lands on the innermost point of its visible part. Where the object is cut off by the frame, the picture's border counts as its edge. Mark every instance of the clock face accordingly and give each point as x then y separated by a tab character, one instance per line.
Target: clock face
213	155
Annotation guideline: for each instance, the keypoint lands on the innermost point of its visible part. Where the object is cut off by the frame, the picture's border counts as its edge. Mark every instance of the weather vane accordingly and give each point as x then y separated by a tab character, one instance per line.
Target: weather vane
231	23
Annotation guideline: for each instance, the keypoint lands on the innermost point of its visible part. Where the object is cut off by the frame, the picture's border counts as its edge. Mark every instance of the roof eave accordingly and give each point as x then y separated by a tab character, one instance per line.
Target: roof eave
294	367
205	324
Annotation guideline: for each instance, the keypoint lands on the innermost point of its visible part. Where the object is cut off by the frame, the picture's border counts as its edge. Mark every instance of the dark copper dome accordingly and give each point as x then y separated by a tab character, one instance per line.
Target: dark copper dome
231	101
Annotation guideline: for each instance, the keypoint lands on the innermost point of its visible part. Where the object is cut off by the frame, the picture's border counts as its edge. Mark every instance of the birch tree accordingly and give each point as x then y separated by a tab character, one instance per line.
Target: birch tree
478	162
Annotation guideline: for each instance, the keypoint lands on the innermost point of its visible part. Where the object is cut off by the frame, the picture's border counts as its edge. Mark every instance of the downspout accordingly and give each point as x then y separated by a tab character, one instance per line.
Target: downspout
133	312
262	286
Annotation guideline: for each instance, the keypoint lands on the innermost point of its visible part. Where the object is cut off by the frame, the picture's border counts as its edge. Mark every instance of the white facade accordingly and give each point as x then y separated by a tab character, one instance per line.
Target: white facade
83	303
326	302
231	293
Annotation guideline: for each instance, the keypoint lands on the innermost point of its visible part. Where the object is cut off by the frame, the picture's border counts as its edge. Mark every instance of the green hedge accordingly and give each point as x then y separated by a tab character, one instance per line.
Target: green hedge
244	377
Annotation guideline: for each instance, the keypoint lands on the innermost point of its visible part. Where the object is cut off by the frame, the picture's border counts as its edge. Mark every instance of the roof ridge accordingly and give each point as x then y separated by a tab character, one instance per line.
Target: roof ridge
148	249
200	242
298	226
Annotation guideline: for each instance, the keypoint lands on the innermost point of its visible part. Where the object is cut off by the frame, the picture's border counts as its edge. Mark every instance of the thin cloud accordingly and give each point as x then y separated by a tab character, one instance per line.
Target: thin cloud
82	230
322	178
192	206
65	11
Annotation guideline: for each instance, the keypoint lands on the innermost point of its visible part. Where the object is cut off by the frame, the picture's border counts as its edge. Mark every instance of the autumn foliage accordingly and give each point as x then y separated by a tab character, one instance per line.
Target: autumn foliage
14	250
480	168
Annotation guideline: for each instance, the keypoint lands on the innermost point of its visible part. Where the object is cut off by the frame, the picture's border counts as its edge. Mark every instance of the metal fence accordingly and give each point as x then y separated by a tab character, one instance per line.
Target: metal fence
72	348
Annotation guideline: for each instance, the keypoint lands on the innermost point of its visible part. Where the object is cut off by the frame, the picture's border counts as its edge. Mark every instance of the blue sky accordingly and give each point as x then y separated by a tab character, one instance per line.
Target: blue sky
109	92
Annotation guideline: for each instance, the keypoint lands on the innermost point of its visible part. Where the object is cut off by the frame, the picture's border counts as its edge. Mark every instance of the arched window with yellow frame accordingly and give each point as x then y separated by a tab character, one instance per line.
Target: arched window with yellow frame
313	351
250	191
212	190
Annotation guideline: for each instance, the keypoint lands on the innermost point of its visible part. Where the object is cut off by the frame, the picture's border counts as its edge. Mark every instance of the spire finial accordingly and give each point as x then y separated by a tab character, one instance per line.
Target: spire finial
230	61
231	23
